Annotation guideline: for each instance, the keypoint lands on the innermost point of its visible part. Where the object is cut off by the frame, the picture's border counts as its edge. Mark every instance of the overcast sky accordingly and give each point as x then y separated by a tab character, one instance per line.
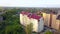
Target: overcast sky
30	3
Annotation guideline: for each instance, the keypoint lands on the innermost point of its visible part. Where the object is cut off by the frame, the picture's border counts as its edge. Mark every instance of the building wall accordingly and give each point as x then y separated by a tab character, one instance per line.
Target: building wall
21	18
44	16
53	25
57	25
47	20
40	25
28	20
54	22
37	26
25	19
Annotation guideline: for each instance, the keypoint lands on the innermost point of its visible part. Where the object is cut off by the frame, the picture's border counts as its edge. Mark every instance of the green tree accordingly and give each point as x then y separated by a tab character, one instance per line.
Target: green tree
48	32
11	23
28	28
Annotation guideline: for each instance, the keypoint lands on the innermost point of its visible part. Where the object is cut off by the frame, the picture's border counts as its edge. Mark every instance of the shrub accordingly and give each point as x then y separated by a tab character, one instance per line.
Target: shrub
48	32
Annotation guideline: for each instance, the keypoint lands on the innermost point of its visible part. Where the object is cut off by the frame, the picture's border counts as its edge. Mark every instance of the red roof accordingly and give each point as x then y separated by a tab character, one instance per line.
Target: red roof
24	13
30	15
34	16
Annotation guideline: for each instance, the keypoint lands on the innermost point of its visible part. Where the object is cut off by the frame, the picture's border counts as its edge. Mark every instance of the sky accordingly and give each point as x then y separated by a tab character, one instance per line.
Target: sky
30	3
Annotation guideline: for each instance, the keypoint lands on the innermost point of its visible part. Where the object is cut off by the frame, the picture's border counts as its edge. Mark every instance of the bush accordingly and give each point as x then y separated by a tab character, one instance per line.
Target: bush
14	29
48	32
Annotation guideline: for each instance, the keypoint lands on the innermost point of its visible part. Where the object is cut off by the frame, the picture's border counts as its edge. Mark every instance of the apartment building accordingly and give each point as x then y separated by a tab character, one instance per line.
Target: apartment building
37	21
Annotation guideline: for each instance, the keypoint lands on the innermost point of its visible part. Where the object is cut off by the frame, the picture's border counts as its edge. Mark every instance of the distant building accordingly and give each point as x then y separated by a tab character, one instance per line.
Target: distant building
46	17
37	21
52	20
57	23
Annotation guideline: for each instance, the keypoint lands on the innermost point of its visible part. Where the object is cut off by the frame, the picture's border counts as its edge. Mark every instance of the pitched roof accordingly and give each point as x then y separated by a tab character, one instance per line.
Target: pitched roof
24	13
30	15
58	17
34	16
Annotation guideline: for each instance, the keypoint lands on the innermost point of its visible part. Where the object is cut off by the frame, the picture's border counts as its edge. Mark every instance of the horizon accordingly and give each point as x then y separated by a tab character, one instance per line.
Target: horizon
30	3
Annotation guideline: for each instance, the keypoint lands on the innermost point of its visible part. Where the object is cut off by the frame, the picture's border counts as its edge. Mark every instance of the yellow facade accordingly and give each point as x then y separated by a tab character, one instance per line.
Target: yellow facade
35	25
53	25
57	25
25	20
44	16
46	19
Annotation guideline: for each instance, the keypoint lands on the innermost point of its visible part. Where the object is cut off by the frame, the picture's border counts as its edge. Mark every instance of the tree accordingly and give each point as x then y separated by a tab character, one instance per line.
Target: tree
11	23
28	28
48	32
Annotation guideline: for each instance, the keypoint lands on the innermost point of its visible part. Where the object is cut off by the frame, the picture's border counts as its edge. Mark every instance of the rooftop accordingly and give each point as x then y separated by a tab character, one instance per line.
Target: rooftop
58	17
30	15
